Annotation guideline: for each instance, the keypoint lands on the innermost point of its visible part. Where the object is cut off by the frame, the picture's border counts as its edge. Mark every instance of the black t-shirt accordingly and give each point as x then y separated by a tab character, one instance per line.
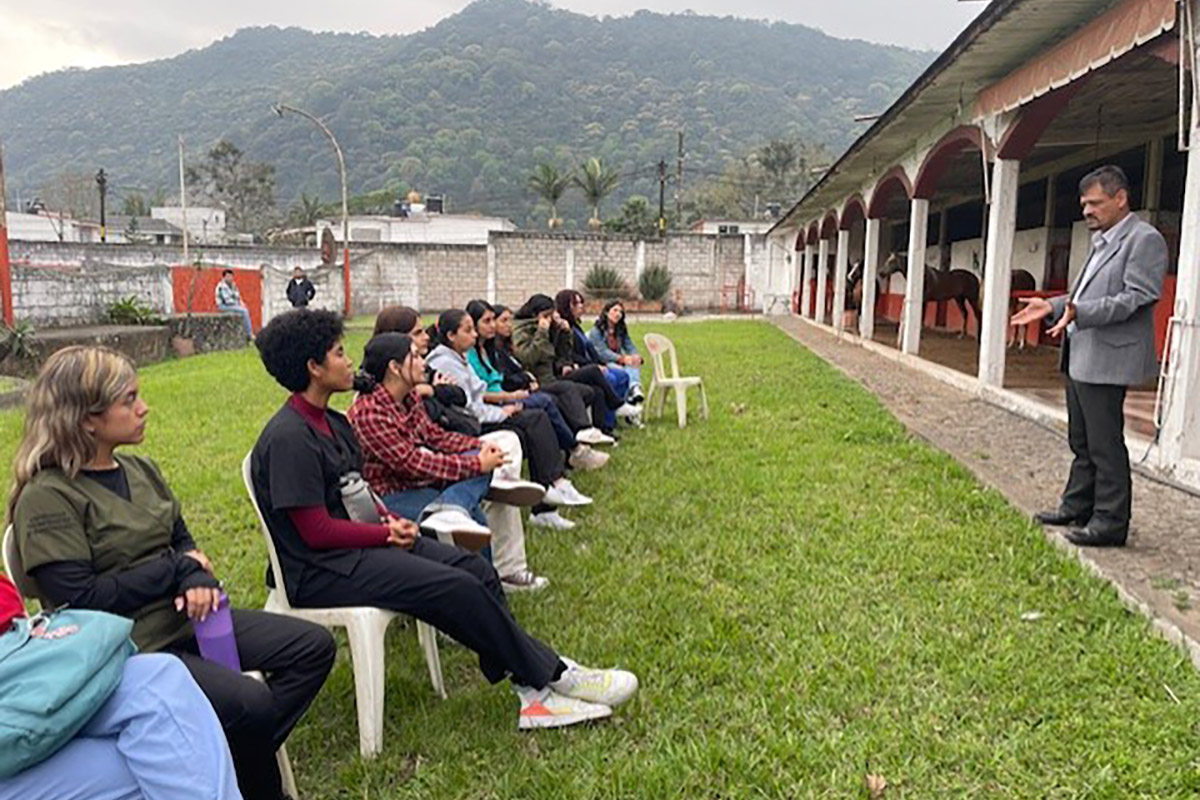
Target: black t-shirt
293	466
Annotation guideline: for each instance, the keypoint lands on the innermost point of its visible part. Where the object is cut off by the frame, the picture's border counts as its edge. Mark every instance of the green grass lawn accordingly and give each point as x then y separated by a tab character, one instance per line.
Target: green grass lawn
808	595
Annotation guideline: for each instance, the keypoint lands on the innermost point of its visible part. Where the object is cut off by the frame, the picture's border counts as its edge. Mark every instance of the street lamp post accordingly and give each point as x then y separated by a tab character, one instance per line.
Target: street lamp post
281	109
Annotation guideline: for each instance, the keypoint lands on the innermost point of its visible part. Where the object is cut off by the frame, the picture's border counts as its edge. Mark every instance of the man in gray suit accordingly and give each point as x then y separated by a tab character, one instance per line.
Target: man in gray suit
1108	318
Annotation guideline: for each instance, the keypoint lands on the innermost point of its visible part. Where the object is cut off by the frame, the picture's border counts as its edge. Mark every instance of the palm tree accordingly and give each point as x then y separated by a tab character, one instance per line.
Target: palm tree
548	183
307	211
596	182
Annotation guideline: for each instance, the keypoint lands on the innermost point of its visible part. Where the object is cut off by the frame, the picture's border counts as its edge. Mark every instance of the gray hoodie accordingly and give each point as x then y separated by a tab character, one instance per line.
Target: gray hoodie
449	363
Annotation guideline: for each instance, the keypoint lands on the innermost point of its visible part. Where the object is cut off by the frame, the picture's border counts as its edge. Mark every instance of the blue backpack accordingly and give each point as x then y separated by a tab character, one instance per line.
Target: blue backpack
56	670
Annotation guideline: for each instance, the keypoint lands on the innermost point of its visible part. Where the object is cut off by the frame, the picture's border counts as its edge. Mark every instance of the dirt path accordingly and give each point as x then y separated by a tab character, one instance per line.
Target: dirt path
1159	570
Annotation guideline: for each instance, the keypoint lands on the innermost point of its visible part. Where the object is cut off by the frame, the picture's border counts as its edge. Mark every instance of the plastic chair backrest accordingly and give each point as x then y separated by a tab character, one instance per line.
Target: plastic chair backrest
280	589
16	570
658	345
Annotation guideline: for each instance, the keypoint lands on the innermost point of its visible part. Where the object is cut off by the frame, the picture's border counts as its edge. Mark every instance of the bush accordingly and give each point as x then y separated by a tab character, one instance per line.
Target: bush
17	341
132	311
655	284
604	283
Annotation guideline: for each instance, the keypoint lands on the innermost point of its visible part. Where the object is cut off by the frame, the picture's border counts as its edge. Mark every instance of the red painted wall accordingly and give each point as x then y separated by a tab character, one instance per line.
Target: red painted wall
248	282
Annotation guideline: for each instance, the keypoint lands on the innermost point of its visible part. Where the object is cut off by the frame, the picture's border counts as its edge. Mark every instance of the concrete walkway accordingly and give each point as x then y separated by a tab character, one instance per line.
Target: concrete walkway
1158	571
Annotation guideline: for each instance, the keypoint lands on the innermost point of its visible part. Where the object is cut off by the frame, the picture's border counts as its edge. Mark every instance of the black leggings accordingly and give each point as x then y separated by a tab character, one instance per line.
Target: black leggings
573	401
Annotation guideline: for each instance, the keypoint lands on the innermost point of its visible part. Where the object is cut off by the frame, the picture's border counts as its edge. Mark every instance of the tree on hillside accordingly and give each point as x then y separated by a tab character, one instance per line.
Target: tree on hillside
72	192
135	205
776	172
244	188
550	184
636	218
597	182
305	212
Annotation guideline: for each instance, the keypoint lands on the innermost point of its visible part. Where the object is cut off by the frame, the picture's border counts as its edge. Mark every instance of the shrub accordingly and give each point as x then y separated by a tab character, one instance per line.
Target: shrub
132	311
604	283
17	341
655	283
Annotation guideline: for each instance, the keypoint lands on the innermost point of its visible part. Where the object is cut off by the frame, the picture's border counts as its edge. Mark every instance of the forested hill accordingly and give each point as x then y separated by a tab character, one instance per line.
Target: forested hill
465	108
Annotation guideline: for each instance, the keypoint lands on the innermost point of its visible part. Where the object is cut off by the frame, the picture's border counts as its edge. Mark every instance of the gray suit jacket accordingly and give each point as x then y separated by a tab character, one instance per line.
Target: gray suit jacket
1114	311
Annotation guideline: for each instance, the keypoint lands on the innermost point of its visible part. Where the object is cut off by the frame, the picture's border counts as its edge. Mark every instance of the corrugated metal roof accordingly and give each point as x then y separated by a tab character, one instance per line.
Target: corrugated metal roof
1003	37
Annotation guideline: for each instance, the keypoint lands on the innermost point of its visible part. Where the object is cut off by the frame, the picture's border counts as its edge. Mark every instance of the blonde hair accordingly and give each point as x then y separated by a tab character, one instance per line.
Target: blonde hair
74	383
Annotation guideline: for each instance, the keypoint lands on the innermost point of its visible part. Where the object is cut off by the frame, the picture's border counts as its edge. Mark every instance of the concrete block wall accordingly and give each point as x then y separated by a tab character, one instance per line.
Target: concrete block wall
451	276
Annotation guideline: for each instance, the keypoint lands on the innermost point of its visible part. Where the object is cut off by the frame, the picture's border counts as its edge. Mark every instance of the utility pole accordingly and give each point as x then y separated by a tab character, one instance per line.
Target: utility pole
5	270
662	196
102	183
679	183
183	202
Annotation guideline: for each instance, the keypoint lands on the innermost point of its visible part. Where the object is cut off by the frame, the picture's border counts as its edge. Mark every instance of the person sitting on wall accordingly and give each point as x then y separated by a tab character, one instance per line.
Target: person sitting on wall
297	470
229	301
300	290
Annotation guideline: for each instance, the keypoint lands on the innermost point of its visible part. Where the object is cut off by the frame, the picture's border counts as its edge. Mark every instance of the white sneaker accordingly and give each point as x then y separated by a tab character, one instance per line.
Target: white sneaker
458	525
626	410
584	457
546	708
552	520
523	581
564	493
610	687
515	492
594	436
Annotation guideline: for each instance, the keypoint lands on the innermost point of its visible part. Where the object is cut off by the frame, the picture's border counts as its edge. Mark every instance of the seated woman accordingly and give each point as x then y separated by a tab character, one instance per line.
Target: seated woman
610	338
422	471
456	336
574	399
130	748
484	316
102	530
542	341
569	305
297	468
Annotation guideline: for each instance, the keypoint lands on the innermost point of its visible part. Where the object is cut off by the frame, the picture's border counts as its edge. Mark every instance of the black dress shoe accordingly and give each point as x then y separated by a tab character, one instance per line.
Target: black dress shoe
1086	537
1059	517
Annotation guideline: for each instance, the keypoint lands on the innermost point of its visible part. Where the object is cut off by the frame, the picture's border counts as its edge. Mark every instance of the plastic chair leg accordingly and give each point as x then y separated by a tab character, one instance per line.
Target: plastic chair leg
662	401
649	401
285	773
427	636
367	656
681	405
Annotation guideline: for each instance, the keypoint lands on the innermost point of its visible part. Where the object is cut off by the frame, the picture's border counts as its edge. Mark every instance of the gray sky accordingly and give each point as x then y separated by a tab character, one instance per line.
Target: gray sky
45	35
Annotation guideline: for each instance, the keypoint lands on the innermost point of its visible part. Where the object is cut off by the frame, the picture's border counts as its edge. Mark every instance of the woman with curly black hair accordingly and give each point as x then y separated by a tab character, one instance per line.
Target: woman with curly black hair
298	468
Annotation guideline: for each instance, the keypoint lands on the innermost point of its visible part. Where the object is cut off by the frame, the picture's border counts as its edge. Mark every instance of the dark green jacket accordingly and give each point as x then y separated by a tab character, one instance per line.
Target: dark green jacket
544	353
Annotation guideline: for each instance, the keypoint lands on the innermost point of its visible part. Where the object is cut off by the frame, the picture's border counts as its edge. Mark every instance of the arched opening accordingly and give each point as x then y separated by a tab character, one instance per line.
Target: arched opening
889	204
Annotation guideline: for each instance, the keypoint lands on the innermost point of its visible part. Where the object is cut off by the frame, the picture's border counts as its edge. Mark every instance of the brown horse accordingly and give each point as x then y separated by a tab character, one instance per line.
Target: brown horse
1022	281
959	285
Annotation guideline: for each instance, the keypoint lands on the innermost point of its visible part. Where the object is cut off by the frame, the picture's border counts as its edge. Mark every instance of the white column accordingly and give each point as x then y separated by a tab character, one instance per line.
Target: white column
914	294
491	273
1181	401
866	314
639	261
806	286
997	278
822	277
569	268
839	281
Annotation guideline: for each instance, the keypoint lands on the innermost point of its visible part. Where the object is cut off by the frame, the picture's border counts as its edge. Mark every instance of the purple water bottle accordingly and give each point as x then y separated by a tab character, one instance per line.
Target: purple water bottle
215	637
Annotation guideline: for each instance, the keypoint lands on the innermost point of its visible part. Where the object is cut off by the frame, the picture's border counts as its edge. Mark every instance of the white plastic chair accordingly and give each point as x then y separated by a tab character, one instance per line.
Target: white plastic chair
366	628
15	569
658	345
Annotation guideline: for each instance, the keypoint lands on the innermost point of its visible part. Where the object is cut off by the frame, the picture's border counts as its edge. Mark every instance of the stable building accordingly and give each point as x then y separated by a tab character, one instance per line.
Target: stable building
962	197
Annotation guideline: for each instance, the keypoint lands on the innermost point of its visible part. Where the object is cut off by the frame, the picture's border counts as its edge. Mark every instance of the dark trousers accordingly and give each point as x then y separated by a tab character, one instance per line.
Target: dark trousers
604	398
1099	485
455	591
295	656
573	401
538	443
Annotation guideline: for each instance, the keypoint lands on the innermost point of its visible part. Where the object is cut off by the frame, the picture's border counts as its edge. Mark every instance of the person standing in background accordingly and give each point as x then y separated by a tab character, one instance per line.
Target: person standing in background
300	290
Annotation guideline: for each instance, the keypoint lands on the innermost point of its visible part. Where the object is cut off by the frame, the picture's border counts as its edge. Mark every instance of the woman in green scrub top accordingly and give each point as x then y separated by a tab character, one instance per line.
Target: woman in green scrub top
102	530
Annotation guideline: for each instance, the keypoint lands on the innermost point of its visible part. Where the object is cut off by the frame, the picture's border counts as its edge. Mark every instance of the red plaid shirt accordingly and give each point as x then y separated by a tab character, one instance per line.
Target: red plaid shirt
403	448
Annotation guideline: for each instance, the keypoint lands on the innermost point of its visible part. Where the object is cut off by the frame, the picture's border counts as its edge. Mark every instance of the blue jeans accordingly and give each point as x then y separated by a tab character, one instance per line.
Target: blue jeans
618	379
245	314
562	431
156	736
634	373
415	504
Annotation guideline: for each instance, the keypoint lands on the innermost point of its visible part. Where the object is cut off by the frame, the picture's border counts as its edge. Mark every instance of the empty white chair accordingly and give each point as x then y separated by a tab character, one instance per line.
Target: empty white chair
15	570
365	627
658	346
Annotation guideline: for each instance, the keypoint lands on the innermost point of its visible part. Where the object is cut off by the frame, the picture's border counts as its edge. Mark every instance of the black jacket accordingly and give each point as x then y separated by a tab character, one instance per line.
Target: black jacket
300	293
